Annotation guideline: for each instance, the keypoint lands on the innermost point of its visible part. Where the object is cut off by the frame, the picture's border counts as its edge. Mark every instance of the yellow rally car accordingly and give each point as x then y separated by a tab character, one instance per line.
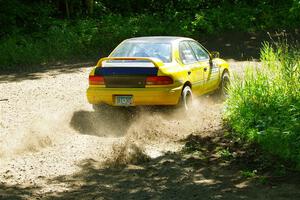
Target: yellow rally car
156	71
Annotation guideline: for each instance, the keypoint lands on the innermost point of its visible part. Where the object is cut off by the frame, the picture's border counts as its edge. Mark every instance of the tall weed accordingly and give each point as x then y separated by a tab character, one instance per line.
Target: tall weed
264	105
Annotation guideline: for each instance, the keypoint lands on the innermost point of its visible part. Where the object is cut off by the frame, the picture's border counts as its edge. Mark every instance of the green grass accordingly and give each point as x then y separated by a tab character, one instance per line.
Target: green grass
248	174
264	105
224	153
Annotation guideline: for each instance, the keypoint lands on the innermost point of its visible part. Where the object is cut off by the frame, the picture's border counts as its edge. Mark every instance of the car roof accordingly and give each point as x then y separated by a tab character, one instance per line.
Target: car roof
167	39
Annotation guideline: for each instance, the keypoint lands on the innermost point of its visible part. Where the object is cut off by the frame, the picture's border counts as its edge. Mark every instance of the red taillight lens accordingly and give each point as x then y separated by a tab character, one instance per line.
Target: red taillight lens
159	80
96	80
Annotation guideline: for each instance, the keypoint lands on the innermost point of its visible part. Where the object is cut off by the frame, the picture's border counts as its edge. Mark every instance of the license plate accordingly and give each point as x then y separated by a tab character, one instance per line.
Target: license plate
123	100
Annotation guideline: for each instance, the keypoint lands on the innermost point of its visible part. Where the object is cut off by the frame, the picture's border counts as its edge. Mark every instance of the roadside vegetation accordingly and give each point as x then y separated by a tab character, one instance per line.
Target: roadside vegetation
264	106
42	31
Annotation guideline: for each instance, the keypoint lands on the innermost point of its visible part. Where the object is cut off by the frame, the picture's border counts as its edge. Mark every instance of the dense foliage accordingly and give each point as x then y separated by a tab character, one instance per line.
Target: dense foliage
41	31
264	107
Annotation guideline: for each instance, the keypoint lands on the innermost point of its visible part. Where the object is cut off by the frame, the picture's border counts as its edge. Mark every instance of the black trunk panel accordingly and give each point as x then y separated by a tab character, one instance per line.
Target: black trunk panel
125	77
125	81
109	71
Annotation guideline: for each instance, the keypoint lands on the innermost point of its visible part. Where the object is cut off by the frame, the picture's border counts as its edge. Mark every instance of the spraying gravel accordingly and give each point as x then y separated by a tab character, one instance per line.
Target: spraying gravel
47	129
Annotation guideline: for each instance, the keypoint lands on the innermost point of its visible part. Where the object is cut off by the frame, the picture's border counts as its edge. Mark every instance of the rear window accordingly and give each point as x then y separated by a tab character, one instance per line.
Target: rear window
144	49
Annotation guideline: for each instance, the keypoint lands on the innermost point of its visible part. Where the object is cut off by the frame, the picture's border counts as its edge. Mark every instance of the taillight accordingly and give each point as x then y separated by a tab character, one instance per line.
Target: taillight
159	80
96	80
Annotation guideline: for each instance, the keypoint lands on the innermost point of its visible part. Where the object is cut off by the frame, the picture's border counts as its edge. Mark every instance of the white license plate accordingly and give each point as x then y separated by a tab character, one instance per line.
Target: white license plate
123	100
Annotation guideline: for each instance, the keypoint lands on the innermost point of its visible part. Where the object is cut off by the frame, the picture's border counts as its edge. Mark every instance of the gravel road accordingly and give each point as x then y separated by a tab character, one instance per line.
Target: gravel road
48	130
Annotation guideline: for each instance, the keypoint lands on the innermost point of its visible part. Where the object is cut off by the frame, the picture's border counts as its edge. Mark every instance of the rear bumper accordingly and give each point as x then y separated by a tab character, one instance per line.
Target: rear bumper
141	96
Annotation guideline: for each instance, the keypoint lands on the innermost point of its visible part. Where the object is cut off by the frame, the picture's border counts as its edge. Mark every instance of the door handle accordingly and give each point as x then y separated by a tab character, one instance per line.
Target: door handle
189	72
205	69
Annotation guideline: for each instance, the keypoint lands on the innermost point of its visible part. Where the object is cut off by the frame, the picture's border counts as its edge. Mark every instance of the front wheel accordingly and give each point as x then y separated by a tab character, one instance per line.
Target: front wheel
186	98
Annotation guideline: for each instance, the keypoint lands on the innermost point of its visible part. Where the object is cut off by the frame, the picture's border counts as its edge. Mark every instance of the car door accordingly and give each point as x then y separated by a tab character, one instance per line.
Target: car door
210	70
194	68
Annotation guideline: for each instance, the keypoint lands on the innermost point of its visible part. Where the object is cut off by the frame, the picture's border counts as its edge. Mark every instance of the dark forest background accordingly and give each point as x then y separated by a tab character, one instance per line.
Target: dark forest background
45	31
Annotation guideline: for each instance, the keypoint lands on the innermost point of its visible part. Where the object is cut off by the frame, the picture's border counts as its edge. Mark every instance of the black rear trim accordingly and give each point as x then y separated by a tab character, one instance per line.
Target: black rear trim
125	81
109	71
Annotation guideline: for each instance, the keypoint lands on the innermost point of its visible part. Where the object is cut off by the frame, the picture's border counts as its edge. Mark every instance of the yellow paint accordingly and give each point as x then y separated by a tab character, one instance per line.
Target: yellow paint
202	81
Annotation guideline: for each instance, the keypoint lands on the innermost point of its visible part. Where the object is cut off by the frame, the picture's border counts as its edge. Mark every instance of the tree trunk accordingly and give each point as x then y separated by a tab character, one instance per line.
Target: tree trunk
90	6
67	8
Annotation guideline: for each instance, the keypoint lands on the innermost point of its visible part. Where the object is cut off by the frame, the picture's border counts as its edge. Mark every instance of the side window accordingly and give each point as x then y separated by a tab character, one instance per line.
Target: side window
200	53
186	53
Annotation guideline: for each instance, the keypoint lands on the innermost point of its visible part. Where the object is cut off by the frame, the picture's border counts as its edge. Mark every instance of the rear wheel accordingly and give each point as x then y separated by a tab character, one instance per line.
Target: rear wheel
223	88
186	98
109	110
99	107
105	108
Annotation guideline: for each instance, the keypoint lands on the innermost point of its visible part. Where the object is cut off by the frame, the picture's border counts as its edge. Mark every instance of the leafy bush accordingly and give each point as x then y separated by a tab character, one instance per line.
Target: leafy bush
43	32
60	43
80	39
241	16
264	106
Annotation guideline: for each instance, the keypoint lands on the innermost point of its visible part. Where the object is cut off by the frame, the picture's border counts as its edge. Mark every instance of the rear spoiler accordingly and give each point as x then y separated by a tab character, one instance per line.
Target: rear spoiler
156	62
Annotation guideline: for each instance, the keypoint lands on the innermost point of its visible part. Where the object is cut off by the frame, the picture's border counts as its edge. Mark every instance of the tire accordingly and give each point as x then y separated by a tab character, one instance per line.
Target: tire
101	107
223	87
108	110
186	98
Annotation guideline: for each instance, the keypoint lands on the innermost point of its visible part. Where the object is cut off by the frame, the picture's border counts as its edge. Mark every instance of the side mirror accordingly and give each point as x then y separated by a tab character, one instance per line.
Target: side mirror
214	54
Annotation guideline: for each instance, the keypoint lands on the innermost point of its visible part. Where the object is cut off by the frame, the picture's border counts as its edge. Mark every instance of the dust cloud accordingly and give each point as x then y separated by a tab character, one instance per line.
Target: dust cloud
42	131
141	132
152	132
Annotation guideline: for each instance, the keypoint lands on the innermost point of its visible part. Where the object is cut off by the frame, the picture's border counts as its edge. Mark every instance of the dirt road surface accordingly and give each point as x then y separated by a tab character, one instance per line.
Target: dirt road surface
54	146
